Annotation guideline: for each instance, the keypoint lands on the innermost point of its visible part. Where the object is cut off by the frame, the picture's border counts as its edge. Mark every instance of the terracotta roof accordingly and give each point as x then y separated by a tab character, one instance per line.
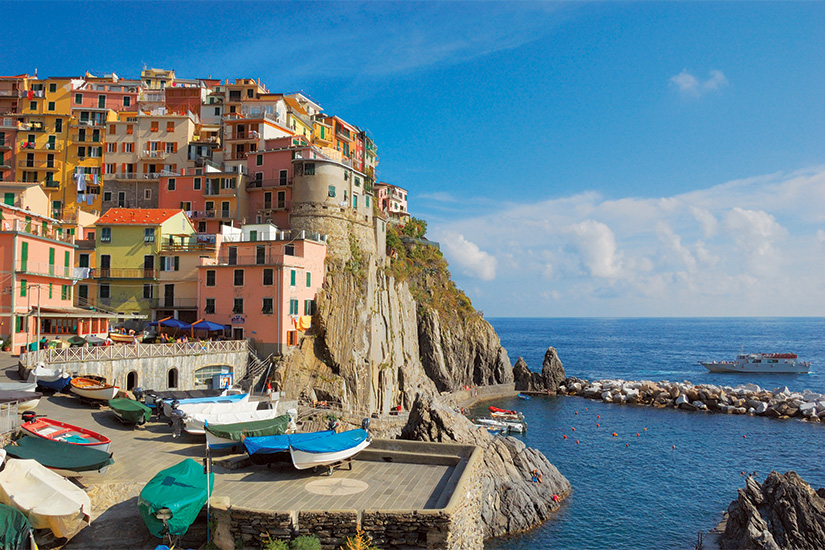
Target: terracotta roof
136	216
293	103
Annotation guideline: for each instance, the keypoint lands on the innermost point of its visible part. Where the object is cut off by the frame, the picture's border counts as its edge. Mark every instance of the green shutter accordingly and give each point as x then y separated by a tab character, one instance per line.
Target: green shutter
22	288
51	285
66	263
8	198
309	279
51	261
24	255
292	278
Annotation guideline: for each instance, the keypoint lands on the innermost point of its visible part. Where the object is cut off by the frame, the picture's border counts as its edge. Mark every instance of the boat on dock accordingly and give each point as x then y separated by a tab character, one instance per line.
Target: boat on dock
130	411
119	338
195	423
273	448
170	503
329	450
15	529
18	386
50	379
760	363
153	398
48	500
225	436
93	389
61	431
58	455
25	400
182	404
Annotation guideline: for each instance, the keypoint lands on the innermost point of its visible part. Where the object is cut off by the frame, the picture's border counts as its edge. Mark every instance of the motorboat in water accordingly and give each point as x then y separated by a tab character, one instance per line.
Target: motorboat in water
761	363
48	500
505	413
509	425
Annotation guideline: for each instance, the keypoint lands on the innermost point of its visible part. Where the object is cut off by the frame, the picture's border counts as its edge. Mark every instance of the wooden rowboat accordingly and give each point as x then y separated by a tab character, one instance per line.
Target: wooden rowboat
118	338
92	389
60	431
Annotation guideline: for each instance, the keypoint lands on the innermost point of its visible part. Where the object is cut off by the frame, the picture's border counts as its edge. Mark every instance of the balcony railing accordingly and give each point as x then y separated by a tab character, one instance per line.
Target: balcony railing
36	229
89	124
139	176
87	138
173	303
52	184
34	146
124	273
263	184
149	155
287	235
52	270
246	260
31	126
44	164
218	192
211	214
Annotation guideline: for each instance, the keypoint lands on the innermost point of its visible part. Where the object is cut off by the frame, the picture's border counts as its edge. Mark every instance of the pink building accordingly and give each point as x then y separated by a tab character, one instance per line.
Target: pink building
38	257
263	284
392	200
101	94
212	199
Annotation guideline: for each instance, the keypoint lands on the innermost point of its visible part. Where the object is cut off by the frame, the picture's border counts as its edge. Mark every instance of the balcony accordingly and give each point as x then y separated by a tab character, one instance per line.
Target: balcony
173	303
40	164
34	229
85	138
34	146
139	176
31	127
212	214
8	122
275	236
152	155
264	184
276	206
199	243
50	270
217	192
89	124
52	184
125	273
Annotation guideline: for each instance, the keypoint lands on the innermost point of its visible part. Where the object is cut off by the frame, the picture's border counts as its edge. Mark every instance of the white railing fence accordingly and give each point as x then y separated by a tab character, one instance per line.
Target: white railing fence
130	351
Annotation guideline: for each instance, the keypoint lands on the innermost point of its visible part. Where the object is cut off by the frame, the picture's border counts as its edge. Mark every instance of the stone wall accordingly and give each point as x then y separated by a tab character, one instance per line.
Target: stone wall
338	223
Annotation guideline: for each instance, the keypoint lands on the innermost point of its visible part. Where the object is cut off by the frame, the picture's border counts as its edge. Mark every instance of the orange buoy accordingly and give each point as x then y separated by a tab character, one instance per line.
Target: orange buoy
627	445
637	435
597	425
574	429
577	442
743	435
585	408
645	429
577	412
615	434
674	446
564	436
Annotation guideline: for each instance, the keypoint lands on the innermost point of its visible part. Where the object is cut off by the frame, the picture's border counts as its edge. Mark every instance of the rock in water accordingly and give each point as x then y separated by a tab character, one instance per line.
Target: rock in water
783	513
549	379
511	502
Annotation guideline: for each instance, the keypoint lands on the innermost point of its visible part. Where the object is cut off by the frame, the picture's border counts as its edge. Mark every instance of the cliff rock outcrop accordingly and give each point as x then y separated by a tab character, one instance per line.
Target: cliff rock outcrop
783	513
511	501
548	380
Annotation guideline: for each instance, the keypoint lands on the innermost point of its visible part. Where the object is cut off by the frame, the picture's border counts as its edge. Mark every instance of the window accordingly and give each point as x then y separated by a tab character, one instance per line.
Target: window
253	236
172	375
357	181
267	307
259	160
283	177
170	126
82	293
232	258
149	235
78	99
130	129
293	306
107	196
81	151
292	276
238	278
171	147
289	250
19	325
83	260
367	201
260	255
309	307
128	147
210	277
127	101
281	199
52	88
291	338
65	292
51	105
170	263
104	291
170	185
268	277
147	194
106	234
355	201
309	279
210	306
201	227
267	200
154	126
309	169
58	125
217	111
111	147
196	184
237	305
51	290
23	287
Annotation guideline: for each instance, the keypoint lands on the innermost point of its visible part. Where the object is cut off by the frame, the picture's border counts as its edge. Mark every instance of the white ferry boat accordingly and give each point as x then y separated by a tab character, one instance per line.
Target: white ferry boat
761	363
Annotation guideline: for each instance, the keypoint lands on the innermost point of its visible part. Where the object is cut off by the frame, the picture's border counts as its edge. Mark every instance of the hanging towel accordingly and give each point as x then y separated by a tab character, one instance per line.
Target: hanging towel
90	199
80	178
304	322
94	179
81	198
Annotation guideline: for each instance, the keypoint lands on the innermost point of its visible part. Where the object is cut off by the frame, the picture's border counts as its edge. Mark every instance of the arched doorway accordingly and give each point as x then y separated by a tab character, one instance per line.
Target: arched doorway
131	380
172	379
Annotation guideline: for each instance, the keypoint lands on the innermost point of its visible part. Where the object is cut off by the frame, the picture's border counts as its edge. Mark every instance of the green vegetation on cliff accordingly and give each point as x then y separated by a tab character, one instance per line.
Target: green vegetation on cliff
421	264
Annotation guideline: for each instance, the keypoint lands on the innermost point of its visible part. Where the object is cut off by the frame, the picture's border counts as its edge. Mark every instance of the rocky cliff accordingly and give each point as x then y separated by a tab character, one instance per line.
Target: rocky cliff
548	380
511	501
783	513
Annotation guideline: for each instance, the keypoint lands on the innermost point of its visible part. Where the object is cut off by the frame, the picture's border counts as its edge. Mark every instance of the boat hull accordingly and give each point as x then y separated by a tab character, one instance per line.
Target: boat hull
67	433
757	368
184	404
50	379
57	455
313	453
130	411
91	389
196	423
182	490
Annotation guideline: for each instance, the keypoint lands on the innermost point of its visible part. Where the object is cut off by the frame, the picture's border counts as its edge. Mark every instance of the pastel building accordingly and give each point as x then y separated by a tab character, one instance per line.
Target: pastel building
128	243
392	200
211	198
38	258
180	258
263	284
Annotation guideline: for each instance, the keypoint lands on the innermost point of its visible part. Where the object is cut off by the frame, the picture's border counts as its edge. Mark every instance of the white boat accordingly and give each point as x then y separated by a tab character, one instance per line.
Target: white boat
328	450
509	425
18	386
49	500
760	363
195	423
218	408
53	379
93	389
181	404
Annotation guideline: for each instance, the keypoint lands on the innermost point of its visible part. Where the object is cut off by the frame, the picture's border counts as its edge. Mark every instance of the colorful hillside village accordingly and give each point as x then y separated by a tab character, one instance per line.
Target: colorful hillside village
127	201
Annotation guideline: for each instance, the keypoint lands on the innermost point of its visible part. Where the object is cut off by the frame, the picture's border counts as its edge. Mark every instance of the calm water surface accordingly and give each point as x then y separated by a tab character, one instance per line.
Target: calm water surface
657	489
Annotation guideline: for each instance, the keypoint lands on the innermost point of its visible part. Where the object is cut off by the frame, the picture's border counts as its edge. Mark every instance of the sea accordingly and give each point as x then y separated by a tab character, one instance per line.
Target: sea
667	474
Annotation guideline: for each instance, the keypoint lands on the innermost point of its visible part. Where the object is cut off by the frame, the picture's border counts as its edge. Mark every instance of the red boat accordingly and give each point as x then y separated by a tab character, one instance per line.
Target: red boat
505	413
60	431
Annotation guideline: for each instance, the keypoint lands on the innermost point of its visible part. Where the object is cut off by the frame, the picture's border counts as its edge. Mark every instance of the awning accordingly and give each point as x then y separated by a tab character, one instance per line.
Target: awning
70	313
207	325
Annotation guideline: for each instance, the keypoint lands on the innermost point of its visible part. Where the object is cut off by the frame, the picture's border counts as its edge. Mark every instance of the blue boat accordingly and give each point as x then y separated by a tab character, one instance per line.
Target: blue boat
272	444
523	396
331	449
51	379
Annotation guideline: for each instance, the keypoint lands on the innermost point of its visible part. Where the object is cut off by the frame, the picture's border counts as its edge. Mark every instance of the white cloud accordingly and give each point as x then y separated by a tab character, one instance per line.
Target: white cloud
690	85
722	250
473	261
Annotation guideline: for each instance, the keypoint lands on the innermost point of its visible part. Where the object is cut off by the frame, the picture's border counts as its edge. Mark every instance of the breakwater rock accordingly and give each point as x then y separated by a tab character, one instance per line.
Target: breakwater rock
511	502
783	513
744	399
548	380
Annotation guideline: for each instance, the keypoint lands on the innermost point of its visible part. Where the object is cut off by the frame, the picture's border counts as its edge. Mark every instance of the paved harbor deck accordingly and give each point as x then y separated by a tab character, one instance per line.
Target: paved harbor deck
141	452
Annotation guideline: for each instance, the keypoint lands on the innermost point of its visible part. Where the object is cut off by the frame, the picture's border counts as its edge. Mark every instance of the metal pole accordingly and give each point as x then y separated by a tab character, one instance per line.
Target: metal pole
38	317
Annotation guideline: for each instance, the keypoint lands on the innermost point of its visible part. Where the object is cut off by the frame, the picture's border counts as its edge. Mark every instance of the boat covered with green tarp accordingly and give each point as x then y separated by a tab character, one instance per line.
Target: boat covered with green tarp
14	529
181	492
219	436
130	411
59	455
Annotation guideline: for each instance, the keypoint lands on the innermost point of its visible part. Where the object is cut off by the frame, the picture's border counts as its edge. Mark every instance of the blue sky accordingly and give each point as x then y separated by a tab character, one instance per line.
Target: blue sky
607	159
